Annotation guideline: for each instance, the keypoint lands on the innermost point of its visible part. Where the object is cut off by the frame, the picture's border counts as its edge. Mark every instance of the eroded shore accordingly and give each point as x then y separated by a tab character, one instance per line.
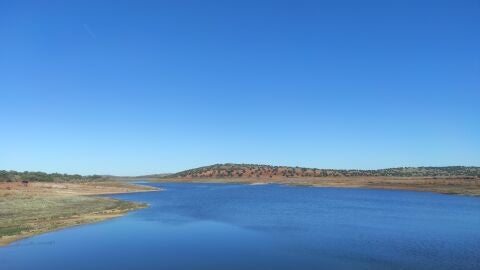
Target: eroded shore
27	210
443	185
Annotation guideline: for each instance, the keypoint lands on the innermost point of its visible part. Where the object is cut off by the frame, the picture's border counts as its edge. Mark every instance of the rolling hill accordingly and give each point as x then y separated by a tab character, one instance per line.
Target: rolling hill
230	170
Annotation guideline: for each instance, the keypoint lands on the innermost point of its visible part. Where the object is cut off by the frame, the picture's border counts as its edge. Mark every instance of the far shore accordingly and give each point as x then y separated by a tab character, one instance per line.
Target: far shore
39	207
443	185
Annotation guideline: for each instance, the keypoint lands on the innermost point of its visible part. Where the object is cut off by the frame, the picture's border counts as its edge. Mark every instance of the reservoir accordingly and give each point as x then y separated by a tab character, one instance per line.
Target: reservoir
234	226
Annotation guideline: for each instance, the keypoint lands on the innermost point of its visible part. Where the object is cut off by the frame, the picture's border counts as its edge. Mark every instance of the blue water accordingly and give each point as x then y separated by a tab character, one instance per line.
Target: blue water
229	226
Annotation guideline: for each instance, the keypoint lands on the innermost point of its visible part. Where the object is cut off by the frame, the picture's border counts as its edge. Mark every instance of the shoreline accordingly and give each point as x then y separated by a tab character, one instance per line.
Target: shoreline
73	222
446	185
92	206
46	207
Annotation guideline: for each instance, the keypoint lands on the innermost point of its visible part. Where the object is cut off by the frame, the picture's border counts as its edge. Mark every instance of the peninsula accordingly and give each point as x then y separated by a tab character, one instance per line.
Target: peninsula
33	202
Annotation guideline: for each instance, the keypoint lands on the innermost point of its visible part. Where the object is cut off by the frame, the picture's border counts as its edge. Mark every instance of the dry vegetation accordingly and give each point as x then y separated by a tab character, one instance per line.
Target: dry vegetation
448	180
265	171
40	207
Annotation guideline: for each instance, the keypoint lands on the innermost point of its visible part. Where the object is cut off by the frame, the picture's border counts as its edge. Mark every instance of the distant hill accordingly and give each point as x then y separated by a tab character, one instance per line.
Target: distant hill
255	171
10	176
229	170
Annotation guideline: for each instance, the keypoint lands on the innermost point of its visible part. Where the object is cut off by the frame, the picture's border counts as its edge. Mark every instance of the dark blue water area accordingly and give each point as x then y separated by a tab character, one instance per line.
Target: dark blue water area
230	226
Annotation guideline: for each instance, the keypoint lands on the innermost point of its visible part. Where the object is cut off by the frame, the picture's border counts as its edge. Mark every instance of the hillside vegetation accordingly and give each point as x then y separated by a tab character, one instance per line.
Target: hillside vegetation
11	176
447	180
267	171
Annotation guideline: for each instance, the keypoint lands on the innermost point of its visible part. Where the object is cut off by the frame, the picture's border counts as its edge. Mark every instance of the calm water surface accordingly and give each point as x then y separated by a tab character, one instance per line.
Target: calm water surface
226	226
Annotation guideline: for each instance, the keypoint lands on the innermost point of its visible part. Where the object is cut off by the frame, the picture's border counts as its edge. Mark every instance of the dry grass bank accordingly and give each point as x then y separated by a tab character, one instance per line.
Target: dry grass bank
42	207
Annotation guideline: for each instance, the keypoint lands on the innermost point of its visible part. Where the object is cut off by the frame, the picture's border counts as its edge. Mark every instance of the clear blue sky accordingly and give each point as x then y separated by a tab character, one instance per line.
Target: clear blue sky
137	87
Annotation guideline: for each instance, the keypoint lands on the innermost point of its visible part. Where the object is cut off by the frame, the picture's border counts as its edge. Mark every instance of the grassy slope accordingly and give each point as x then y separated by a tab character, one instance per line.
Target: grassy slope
42	207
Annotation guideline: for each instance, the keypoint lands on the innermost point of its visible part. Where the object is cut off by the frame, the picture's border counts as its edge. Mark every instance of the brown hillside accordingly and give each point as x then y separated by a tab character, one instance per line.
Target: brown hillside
222	171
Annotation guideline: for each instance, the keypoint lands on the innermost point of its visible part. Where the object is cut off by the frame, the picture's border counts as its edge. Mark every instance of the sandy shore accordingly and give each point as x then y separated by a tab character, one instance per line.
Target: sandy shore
41	207
445	185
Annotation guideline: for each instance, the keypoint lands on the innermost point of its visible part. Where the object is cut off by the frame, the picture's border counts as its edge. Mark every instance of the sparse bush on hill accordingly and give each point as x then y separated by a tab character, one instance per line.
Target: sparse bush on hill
266	171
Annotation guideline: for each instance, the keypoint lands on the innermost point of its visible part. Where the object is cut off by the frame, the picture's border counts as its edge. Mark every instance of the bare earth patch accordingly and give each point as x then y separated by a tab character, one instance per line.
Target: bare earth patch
445	185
